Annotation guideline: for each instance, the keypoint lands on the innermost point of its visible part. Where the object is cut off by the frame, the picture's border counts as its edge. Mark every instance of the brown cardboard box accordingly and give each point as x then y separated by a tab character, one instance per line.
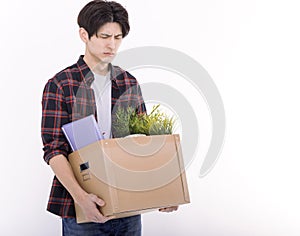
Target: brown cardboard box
132	175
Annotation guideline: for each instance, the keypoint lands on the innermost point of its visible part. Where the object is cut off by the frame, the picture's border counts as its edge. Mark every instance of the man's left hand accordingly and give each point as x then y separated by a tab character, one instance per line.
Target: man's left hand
169	209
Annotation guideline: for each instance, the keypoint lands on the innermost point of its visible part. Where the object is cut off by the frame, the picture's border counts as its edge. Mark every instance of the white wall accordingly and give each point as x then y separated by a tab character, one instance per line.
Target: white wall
251	50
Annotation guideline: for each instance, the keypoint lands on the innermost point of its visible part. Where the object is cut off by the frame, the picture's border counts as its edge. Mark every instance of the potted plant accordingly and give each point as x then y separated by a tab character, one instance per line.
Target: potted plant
126	121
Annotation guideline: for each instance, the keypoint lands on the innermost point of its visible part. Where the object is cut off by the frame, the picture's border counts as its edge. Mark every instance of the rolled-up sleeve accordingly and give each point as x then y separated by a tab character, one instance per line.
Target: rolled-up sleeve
54	115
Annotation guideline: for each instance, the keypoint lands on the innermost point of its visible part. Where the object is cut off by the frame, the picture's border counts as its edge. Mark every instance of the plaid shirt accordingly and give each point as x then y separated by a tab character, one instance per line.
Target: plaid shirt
67	97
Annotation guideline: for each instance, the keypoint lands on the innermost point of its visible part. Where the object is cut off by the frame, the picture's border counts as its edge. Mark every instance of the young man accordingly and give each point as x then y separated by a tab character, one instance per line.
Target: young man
90	86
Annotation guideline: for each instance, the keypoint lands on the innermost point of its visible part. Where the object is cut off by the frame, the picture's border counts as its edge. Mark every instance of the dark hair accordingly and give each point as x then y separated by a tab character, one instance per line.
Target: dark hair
98	12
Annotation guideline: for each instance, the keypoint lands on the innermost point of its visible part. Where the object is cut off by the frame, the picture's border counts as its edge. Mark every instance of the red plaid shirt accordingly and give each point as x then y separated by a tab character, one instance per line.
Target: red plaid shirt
68	96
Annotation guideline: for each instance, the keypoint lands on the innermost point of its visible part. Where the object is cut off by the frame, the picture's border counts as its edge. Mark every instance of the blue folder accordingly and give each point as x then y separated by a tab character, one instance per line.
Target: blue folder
82	132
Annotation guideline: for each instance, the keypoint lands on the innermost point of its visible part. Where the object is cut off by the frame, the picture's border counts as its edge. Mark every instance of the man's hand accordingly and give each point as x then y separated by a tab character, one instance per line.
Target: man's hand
169	209
89	207
87	202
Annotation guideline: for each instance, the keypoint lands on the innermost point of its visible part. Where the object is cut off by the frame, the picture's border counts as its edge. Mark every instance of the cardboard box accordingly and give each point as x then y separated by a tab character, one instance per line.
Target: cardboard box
132	175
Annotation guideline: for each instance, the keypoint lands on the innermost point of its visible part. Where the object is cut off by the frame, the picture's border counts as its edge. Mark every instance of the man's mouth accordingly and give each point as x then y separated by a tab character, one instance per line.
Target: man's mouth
110	54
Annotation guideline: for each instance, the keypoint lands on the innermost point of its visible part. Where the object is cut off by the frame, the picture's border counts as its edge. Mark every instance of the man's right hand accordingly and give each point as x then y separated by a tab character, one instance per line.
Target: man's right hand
89	204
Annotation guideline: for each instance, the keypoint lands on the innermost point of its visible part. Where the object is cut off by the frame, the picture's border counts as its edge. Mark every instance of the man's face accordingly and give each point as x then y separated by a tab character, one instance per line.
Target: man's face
103	47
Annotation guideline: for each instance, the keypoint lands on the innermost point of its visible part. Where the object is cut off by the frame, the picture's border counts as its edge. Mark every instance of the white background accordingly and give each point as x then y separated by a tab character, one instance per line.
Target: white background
251	50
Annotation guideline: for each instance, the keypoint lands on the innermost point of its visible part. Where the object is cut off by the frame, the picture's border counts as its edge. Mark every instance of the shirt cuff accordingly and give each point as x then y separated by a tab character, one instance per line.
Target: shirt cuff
48	156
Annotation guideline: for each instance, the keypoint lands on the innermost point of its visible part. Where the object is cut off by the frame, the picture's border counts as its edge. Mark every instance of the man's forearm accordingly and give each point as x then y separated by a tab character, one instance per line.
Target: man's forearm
88	202
63	171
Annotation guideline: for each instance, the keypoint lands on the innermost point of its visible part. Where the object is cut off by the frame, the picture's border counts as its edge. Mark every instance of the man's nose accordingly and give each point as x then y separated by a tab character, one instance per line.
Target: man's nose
112	43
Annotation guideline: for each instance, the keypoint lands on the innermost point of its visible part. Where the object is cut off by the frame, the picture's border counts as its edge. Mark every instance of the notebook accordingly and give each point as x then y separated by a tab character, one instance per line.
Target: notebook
82	132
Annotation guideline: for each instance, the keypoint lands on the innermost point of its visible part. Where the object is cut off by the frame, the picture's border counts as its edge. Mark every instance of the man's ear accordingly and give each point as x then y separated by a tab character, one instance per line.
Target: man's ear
84	35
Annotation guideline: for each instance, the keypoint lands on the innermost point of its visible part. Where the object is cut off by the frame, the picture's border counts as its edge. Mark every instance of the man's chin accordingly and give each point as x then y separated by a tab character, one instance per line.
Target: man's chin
108	59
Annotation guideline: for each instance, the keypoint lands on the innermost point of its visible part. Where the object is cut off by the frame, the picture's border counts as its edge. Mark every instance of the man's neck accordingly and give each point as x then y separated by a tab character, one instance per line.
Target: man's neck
97	67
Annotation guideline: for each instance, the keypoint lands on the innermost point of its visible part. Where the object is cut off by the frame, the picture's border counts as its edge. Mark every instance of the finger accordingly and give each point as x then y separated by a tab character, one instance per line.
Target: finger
97	200
100	202
99	218
169	209
109	218
172	208
163	209
104	219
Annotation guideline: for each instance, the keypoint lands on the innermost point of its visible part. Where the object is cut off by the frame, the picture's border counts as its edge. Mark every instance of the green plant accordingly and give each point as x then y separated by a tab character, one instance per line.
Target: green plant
158	122
127	121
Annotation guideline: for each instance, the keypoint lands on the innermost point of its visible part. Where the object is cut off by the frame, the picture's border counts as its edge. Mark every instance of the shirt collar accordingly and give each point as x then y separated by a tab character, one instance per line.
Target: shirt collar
85	71
88	75
113	72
